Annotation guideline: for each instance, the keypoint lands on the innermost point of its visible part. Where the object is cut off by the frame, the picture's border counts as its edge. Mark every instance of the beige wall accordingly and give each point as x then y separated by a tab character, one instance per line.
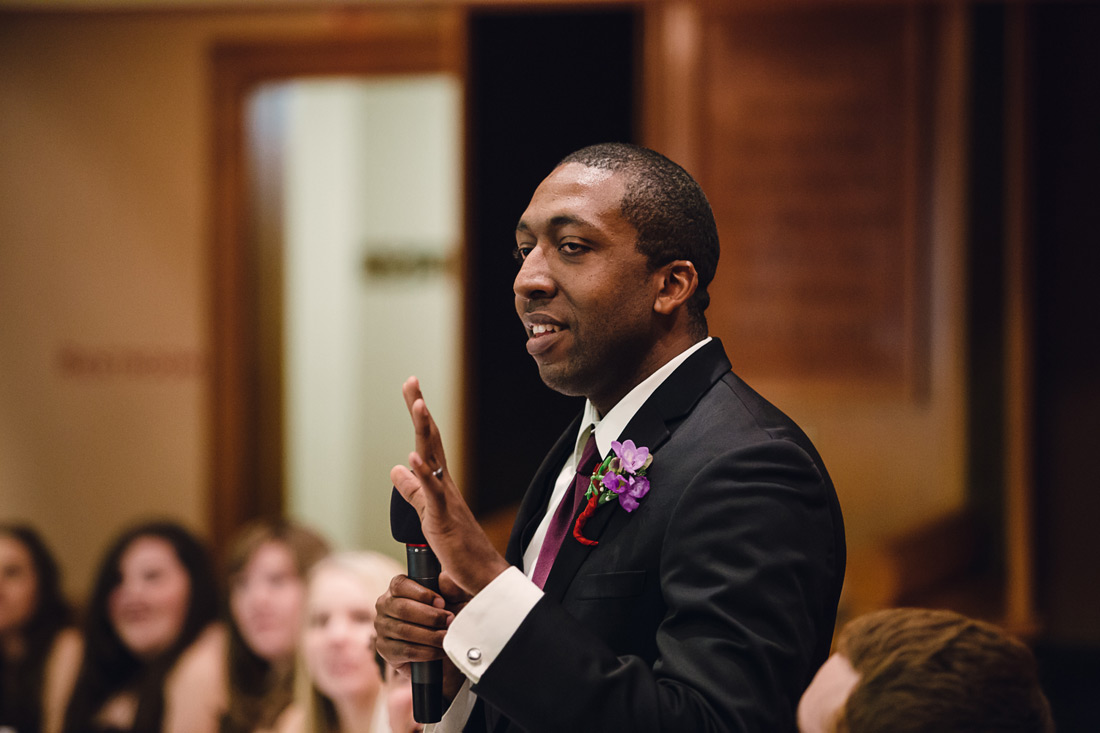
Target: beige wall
103	270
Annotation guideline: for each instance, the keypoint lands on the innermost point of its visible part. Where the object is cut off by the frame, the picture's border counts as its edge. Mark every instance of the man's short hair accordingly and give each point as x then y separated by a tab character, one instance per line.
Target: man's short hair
924	670
668	209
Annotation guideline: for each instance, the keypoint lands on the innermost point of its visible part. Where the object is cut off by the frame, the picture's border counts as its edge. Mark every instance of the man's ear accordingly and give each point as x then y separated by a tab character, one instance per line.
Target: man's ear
678	281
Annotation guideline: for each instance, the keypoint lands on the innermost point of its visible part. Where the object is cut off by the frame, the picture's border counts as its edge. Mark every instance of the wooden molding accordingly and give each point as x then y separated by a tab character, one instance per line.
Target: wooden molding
1020	601
365	42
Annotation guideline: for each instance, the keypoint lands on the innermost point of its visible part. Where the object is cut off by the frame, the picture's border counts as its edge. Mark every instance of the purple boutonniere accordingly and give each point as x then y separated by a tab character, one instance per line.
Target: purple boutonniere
621	476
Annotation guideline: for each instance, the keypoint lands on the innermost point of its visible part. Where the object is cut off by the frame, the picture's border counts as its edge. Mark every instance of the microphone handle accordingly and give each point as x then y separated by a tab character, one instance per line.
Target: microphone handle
427	677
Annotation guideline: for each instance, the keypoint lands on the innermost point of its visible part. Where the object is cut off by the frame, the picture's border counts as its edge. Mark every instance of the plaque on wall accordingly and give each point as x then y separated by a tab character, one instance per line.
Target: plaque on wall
815	155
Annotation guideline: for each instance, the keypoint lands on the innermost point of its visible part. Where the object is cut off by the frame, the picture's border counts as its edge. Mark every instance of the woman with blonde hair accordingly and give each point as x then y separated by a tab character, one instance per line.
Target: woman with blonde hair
338	686
267	566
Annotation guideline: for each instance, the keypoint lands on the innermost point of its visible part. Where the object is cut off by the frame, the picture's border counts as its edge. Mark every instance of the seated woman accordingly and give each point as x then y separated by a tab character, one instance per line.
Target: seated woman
153	606
909	670
39	650
267	566
338	683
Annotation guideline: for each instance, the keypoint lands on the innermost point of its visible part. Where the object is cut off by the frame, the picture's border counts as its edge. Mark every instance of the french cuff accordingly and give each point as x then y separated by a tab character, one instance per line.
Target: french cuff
479	632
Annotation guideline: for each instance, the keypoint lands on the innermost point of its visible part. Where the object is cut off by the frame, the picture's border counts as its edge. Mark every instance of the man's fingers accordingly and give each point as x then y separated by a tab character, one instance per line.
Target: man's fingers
411	623
426	475
408	485
419	487
407	631
410	390
402	587
429	443
449	525
398	652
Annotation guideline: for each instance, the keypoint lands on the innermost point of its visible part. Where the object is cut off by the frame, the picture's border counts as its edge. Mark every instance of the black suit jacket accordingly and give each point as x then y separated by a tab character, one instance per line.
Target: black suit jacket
709	607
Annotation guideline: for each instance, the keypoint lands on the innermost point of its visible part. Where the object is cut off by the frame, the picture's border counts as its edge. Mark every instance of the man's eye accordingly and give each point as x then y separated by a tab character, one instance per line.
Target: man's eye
572	248
521	251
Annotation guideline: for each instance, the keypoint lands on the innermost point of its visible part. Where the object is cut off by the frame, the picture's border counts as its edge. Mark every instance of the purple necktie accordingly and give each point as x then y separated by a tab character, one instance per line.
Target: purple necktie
567	509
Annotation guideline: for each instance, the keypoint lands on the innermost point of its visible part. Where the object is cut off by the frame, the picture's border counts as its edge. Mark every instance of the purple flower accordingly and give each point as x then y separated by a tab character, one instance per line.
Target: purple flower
614	482
631	457
620	478
636	488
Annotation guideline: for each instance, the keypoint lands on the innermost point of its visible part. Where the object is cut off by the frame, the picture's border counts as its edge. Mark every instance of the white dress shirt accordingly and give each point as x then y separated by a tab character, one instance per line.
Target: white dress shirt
478	634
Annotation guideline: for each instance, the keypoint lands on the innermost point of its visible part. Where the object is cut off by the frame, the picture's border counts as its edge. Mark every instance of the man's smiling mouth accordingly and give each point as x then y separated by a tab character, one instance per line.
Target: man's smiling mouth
539	329
544	335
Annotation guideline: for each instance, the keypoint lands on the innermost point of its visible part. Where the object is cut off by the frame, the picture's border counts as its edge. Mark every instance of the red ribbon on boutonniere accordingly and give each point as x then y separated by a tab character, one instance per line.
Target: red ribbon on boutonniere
622	475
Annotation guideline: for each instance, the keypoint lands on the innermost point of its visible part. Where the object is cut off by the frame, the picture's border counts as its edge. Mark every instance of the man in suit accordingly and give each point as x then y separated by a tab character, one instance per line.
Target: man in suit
708	598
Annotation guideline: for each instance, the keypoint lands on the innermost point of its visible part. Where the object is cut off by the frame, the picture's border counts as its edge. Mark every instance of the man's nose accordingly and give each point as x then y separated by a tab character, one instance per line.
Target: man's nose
534	279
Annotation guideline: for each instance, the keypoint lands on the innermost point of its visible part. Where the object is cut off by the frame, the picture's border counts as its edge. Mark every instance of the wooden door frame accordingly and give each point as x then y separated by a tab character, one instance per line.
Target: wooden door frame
371	42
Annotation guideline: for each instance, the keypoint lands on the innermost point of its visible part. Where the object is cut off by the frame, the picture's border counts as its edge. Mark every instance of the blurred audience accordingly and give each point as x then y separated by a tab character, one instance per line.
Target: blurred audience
267	566
915	670
295	653
150	617
338	683
39	649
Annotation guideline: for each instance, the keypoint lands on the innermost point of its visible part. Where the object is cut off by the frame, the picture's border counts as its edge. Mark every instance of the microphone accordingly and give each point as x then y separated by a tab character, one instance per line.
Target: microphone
427	677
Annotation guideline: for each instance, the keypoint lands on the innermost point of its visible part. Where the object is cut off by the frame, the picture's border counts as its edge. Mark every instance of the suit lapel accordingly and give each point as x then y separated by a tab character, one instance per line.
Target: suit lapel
649	432
651	427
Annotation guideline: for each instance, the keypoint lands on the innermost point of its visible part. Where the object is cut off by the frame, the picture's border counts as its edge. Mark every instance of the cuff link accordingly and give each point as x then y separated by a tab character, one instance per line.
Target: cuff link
473	655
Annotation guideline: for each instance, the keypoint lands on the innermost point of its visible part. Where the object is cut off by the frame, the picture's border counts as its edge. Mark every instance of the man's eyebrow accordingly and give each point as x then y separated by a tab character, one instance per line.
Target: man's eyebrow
556	222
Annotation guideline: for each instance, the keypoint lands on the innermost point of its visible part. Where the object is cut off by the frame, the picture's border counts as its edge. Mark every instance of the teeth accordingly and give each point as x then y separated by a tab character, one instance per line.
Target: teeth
540	328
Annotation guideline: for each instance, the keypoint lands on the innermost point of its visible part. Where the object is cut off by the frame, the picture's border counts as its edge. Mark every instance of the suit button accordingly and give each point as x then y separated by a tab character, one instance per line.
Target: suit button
474	655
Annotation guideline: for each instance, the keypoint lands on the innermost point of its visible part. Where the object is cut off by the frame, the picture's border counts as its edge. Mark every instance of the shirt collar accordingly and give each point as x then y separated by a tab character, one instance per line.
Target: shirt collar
611	425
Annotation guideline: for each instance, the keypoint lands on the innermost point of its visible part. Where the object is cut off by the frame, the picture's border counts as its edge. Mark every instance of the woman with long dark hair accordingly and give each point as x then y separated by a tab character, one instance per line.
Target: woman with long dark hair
267	566
39	650
154	602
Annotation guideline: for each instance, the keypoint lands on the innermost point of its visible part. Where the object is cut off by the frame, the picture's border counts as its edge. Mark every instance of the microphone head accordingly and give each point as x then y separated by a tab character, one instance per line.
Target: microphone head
404	521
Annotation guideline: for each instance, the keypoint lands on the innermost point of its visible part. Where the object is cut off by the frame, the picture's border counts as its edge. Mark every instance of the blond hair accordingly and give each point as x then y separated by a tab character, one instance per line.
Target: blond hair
374	571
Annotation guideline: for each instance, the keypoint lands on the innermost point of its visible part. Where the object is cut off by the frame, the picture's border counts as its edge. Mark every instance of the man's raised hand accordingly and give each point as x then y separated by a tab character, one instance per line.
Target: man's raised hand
463	549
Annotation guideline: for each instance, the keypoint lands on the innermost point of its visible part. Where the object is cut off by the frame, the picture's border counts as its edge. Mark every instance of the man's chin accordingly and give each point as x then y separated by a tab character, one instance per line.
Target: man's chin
559	378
